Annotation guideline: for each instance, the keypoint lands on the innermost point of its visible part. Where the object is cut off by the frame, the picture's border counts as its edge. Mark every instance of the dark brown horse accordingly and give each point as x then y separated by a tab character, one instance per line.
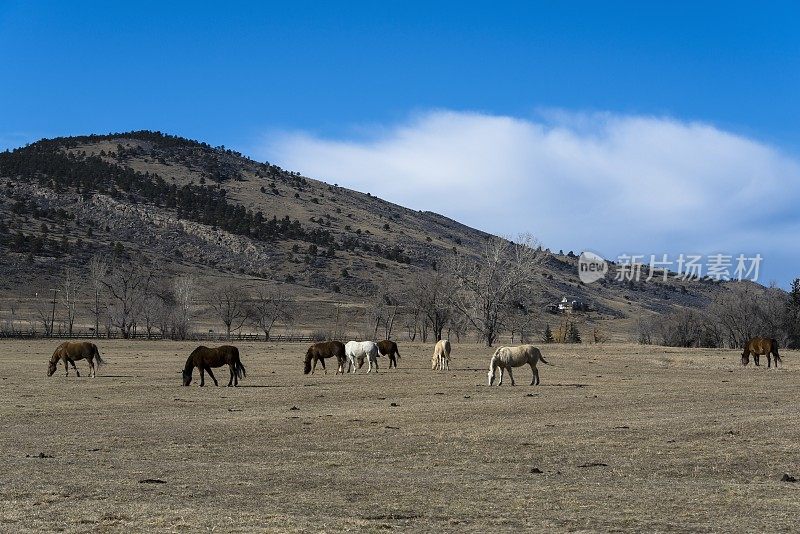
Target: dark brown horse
759	346
389	348
319	351
70	351
205	358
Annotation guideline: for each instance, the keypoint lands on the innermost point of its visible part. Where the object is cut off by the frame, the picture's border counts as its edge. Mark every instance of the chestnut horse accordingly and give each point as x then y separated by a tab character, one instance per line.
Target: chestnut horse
70	351
205	358
319	351
758	346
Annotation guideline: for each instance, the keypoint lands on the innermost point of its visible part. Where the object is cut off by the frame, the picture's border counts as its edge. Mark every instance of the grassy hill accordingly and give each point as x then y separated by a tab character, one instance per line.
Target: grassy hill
190	207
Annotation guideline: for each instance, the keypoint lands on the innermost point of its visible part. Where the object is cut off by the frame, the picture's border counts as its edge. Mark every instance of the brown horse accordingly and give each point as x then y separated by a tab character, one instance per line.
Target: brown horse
319	351
205	358
389	348
758	346
70	351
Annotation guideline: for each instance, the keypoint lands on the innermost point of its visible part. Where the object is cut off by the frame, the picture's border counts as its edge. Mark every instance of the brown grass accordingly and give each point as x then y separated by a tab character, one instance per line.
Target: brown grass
689	439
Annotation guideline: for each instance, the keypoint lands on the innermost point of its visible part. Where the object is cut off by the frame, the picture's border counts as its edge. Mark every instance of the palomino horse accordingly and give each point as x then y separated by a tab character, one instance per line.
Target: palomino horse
319	351
70	351
205	358
358	350
758	346
441	355
507	357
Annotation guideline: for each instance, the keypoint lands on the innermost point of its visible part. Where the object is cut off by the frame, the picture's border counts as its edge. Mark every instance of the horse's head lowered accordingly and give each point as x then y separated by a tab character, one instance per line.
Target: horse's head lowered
51	368
187	377
745	357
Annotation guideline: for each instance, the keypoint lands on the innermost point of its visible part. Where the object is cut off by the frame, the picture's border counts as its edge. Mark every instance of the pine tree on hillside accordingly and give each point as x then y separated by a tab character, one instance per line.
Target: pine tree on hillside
547	336
574	335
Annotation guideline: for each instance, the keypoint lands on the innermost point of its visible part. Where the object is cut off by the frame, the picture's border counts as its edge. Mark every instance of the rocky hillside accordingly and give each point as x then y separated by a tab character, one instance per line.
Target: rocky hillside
212	211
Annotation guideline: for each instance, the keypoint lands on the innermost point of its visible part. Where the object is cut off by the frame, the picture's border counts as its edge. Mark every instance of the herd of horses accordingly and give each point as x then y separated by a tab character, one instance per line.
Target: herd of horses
352	355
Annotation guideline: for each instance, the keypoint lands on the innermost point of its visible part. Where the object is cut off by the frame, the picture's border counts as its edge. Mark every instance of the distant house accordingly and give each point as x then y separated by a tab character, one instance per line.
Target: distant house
572	304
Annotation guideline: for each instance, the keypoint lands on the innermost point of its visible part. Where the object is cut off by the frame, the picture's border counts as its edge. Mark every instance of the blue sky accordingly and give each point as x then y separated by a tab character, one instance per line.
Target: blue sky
349	92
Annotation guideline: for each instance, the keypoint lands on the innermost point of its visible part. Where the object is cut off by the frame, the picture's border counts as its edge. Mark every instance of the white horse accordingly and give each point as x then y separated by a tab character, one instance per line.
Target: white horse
507	357
358	350
441	355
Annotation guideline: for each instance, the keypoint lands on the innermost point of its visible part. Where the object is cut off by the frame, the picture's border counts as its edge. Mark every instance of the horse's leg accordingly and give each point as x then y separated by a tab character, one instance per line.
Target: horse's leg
535	378
230	368
91	367
76	369
500	383
511	376
212	376
202	376
322	362
66	365
769	360
756	359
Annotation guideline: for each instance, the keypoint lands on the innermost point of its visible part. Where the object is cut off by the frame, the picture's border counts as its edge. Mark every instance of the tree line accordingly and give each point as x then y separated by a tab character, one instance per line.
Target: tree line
738	313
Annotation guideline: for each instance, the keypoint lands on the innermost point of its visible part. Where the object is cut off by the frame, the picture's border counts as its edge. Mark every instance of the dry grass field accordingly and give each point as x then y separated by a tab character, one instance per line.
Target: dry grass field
617	437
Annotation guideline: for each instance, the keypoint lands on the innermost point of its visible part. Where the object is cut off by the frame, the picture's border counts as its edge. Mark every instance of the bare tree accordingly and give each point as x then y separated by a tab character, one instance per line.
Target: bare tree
184	289
269	308
155	308
9	324
44	311
519	321
432	294
129	283
488	287
69	296
98	269
743	311
229	303
382	314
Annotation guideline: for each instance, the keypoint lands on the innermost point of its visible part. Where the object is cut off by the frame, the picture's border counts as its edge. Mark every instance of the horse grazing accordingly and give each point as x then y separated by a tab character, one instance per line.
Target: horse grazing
441	355
507	357
205	358
358	350
70	351
758	346
389	348
319	351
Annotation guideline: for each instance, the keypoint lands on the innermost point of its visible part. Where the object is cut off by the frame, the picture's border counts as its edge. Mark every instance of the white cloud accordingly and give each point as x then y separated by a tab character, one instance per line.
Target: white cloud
610	183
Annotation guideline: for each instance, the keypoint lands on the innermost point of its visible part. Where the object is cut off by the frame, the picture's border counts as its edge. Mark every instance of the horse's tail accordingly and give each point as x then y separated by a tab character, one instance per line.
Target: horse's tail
239	369
397	353
541	359
775	351
96	353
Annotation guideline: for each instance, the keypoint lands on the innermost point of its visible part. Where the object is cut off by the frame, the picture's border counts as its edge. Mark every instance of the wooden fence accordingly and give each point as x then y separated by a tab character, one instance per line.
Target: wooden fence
154	336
